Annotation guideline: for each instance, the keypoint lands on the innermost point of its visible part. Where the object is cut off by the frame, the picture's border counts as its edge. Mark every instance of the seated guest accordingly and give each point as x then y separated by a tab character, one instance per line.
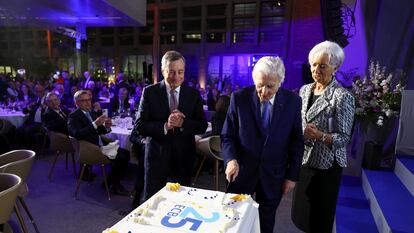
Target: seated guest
25	94
55	118
67	100
88	78
212	97
122	81
84	124
217	121
12	91
33	123
119	103
104	93
219	116
91	86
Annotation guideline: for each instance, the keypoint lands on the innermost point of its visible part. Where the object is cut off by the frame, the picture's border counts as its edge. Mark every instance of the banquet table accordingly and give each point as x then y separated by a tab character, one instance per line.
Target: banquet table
122	135
17	118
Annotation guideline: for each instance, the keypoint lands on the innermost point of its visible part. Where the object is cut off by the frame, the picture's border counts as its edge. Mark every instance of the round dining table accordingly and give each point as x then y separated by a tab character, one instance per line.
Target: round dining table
17	118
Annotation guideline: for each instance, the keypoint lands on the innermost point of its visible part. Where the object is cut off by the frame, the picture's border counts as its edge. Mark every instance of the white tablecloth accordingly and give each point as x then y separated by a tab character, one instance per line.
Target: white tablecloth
122	135
17	118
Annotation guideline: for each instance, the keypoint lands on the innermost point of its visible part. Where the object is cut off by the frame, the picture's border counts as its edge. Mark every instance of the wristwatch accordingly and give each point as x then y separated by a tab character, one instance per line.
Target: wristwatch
323	139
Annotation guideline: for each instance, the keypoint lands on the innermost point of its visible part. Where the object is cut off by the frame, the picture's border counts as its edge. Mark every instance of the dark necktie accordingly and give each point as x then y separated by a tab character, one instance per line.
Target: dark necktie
173	101
266	115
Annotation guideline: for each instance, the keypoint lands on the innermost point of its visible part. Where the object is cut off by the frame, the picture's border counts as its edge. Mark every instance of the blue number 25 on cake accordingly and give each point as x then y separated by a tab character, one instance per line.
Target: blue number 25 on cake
182	211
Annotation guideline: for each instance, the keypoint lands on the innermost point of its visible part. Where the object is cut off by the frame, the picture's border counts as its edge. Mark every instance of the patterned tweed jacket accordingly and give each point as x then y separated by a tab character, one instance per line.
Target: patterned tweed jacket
333	112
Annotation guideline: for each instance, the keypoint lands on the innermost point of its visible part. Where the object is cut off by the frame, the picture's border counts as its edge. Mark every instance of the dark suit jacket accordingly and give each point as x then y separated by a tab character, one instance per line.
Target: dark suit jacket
114	105
31	111
81	128
271	157
54	122
154	112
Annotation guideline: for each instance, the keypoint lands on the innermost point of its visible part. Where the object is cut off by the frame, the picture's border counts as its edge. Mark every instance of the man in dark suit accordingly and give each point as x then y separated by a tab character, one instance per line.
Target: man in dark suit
262	139
55	118
170	114
33	124
120	101
84	124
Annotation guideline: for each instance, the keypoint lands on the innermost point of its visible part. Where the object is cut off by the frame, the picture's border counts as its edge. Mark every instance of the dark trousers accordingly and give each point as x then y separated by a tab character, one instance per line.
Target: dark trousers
314	199
172	161
118	167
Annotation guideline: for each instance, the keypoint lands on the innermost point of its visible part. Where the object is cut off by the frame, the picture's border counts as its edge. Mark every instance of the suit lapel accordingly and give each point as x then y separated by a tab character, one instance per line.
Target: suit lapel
255	106
277	110
165	106
83	117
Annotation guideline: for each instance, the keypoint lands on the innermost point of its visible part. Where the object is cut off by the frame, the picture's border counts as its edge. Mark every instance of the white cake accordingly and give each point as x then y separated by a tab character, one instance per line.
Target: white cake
186	209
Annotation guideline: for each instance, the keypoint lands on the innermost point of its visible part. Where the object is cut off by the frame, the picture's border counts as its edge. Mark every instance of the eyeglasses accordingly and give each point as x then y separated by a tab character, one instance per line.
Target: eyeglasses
84	100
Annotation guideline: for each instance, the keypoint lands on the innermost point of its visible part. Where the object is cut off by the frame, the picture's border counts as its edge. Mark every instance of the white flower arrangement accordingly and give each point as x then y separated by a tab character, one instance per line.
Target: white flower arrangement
378	95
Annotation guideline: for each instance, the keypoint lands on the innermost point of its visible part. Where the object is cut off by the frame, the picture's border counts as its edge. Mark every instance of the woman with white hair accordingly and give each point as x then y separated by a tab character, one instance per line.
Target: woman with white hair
327	117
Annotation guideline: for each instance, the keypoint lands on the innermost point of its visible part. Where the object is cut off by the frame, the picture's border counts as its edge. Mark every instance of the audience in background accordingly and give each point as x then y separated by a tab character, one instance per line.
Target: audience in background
119	103
26	95
212	97
87	77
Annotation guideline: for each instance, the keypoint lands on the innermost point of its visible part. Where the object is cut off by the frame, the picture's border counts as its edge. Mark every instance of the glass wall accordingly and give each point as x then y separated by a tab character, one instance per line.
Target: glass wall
233	70
137	66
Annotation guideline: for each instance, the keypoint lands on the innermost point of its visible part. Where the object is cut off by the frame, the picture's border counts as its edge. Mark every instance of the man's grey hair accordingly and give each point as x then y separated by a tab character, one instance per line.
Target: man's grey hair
270	66
335	53
79	93
169	57
49	95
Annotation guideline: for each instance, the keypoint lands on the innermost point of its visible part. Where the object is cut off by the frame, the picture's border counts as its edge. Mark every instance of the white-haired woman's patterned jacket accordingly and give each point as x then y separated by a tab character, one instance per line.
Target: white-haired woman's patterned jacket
338	104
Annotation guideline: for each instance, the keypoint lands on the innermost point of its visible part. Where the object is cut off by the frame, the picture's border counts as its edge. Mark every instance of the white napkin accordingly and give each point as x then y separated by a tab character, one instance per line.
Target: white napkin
111	149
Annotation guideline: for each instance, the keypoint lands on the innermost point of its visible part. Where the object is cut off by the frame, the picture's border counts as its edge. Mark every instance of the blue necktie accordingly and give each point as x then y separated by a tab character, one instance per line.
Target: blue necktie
266	107
88	115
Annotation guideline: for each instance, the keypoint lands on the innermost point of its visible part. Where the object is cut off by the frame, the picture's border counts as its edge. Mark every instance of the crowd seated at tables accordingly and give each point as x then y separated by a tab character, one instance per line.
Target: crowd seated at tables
25	94
48	104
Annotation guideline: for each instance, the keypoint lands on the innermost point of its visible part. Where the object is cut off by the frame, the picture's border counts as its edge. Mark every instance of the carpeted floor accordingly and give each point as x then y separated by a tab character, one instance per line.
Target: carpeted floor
55	210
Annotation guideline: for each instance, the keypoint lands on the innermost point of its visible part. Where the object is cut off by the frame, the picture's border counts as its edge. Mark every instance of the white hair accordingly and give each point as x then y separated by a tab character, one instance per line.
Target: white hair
335	53
270	66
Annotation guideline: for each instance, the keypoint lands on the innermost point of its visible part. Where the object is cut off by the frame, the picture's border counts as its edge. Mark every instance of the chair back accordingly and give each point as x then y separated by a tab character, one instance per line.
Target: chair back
5	126
18	162
210	147
9	189
88	153
60	142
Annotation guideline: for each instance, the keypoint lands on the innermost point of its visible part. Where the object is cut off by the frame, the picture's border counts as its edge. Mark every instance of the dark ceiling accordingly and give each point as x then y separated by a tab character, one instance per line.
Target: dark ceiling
53	13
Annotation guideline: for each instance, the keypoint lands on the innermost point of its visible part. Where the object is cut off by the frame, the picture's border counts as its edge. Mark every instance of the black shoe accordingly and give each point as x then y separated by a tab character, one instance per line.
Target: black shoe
119	190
